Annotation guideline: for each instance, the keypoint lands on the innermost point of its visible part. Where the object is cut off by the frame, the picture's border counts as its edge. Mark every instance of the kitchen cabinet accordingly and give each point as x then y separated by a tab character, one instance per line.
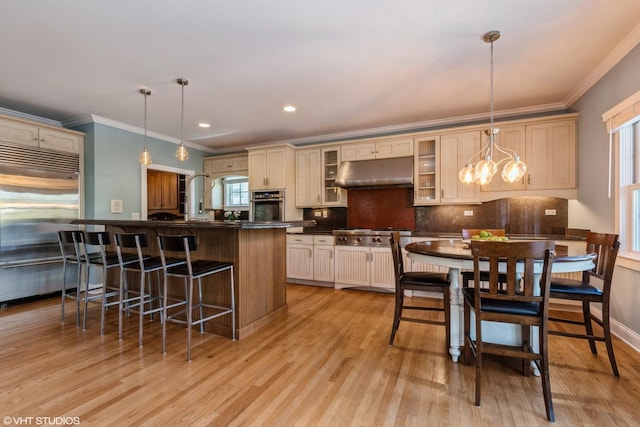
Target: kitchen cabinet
308	178
310	258
513	138
358	266
323	258
227	165
426	163
455	151
271	168
35	135
162	191
299	256
331	195
551	155
437	160
377	149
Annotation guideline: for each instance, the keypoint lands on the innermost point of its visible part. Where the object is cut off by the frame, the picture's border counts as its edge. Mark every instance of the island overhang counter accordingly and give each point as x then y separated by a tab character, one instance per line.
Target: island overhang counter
257	250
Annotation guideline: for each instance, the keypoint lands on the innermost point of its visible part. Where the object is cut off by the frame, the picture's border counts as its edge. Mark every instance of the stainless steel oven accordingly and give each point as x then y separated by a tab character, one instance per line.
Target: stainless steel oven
267	205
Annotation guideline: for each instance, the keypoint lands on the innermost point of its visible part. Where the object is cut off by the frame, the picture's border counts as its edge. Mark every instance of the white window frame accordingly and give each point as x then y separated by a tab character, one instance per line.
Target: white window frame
626	168
235	180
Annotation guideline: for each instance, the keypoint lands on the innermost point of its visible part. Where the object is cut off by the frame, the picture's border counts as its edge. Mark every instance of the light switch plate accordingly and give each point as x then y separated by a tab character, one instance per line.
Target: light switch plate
468	213
549	211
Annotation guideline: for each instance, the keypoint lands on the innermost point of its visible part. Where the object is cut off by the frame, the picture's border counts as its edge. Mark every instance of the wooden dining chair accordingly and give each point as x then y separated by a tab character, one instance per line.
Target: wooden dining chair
417	281
605	246
520	303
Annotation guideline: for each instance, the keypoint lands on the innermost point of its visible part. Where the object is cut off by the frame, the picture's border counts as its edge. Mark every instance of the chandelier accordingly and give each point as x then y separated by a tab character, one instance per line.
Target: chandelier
145	156
483	171
182	154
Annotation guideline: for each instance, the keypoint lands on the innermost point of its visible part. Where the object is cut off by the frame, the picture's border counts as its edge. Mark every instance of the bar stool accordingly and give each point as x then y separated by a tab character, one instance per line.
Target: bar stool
107	260
189	271
72	253
145	265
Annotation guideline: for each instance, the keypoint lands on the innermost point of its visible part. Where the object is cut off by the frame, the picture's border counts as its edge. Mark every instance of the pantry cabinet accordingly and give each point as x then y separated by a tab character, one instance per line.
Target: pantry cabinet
35	135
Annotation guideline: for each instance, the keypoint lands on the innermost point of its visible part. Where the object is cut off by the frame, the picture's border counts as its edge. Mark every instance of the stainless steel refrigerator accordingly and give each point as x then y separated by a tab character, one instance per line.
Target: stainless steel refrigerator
39	195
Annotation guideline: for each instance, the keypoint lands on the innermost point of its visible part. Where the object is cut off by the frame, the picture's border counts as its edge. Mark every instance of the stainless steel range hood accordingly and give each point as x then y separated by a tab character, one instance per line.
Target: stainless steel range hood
394	172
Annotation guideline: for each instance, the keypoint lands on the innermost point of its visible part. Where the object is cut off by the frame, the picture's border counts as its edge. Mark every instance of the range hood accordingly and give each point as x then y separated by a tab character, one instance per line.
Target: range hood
394	172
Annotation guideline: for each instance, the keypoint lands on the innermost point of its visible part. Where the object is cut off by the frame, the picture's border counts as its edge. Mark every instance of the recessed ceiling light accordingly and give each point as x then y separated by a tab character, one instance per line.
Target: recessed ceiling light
204	125
289	108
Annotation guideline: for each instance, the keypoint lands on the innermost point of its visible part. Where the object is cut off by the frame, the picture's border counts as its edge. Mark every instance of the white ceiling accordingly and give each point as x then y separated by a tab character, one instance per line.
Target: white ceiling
348	65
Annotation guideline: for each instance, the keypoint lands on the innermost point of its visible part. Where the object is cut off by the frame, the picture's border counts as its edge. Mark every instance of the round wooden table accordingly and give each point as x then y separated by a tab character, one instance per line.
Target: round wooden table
456	256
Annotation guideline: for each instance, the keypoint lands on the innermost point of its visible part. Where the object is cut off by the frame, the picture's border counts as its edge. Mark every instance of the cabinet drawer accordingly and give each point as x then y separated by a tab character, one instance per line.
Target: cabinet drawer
322	240
300	239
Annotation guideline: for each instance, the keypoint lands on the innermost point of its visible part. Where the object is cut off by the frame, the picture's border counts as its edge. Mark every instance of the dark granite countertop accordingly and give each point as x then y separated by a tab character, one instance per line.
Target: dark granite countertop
457	236
198	223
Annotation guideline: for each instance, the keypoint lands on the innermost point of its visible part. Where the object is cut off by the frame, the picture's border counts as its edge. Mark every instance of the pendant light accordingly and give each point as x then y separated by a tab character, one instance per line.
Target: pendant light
145	156
182	154
482	173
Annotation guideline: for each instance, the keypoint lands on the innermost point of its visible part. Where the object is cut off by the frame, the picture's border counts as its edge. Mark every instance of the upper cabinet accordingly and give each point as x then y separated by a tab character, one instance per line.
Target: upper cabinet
377	149
316	170
271	168
548	148
35	135
308	178
237	164
547	145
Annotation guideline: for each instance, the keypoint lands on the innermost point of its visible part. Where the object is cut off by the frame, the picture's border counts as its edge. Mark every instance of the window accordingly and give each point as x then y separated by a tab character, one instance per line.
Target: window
236	192
623	122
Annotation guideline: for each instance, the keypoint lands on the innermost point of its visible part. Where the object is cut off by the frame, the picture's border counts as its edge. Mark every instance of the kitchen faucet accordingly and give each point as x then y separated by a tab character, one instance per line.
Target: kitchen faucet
187	191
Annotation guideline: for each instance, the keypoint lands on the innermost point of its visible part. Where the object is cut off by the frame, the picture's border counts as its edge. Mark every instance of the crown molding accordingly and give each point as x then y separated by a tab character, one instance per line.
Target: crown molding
92	118
610	61
25	116
419	126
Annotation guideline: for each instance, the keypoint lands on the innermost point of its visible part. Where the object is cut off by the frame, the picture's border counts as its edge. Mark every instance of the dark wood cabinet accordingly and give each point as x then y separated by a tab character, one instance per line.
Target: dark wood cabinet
162	192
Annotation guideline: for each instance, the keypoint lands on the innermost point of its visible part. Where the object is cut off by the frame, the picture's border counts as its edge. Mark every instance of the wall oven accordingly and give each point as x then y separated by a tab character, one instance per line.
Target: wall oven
267	205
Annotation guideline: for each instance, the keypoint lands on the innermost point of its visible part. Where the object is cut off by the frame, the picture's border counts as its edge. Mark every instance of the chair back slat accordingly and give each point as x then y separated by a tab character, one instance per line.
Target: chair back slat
517	260
396	252
179	243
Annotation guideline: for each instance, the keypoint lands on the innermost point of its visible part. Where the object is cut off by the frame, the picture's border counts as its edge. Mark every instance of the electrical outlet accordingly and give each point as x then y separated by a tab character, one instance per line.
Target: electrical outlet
549	211
135	215
317	214
325	214
468	213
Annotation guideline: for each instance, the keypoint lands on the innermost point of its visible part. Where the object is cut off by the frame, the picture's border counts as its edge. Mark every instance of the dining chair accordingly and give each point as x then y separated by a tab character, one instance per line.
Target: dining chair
520	303
468	233
606	247
143	300
190	270
417	281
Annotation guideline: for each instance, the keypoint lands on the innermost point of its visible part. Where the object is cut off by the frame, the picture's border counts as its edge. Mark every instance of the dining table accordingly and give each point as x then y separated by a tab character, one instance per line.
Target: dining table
456	256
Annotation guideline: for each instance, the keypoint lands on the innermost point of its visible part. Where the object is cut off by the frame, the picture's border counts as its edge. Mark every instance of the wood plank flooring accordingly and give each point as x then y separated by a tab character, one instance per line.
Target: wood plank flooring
325	362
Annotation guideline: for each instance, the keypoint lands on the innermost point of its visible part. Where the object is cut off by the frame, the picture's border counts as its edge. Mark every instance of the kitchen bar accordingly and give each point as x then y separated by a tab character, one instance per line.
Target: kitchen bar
257	250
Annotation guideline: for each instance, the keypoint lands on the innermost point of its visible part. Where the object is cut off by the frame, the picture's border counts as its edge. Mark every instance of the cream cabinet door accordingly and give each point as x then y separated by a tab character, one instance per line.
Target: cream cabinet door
300	261
323	266
18	132
551	155
358	151
308	178
257	169
57	140
455	151
394	148
513	138
426	175
382	272
352	265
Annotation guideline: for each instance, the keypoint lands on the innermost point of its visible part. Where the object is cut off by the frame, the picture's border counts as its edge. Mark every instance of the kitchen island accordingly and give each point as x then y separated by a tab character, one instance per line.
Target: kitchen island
257	250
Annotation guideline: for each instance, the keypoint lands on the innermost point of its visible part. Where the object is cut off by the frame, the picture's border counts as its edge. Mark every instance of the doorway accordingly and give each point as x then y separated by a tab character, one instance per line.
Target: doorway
180	176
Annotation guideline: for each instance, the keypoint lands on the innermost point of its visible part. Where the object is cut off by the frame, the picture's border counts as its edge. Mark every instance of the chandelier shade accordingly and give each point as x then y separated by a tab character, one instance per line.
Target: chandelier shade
483	171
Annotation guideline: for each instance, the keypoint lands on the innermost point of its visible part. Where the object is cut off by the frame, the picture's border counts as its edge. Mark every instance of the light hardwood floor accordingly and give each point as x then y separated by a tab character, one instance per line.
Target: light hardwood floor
325	362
